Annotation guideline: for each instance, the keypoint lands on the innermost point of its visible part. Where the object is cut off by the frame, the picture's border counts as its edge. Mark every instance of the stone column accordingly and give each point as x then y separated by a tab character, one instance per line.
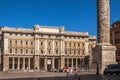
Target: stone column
86	48
45	46
5	51
103	20
5	43
36	62
76	62
61	47
67	61
18	66
62	64
13	63
28	63
5	63
103	53
53	64
36	46
45	63
72	62
23	63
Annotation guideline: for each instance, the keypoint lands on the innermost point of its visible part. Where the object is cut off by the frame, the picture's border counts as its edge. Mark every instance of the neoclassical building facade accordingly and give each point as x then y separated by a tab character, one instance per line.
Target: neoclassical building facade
43	47
115	38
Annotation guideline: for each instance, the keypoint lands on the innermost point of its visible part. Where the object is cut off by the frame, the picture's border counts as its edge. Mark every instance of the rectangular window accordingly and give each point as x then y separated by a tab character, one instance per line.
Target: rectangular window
10	50
56	51
15	42
65	44
49	51
31	43
79	52
21	51
74	52
65	51
78	44
49	43
70	51
41	43
15	50
32	51
56	43
26	51
70	44
10	41
26	42
21	42
74	44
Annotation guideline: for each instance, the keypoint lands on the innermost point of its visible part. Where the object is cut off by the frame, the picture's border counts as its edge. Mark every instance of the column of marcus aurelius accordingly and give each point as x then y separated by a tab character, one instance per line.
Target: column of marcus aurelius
104	52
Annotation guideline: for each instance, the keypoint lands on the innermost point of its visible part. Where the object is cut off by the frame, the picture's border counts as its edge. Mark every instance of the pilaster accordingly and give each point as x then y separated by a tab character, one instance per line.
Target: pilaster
36	62
36	46
45	63
62	62
53	47
5	43
5	63
61	47
45	46
86	48
23	63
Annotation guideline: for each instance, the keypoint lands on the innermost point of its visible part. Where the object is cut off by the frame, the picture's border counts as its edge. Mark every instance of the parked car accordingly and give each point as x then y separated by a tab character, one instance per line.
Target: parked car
112	69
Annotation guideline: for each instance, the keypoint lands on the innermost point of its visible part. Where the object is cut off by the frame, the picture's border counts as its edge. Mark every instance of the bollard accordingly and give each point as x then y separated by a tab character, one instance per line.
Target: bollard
79	78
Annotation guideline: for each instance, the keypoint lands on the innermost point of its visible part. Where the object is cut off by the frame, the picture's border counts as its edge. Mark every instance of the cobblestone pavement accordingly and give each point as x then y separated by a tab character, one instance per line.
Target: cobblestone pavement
55	76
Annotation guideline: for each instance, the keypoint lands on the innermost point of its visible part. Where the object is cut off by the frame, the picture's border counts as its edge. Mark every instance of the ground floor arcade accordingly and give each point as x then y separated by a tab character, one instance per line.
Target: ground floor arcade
40	62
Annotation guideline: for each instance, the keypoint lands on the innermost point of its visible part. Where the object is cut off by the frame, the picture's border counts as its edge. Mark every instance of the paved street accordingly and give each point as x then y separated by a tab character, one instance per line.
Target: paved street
55	76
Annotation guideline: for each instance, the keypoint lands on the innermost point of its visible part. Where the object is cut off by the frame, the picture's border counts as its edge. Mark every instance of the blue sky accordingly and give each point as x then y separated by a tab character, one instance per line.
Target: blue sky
74	15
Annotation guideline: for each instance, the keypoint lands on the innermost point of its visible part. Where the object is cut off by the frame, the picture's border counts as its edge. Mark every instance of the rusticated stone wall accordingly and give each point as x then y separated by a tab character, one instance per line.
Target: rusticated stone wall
103	19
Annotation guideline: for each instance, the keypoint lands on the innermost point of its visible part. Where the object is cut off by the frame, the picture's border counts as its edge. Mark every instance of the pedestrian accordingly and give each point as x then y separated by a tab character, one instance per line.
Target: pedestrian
67	71
71	70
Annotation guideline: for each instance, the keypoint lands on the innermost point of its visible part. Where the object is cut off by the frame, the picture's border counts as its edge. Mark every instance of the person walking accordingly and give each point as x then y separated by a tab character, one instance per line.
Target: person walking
67	71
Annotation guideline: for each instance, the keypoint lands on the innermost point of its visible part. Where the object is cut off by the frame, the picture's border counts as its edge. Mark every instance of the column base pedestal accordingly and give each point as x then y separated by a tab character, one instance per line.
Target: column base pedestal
103	55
